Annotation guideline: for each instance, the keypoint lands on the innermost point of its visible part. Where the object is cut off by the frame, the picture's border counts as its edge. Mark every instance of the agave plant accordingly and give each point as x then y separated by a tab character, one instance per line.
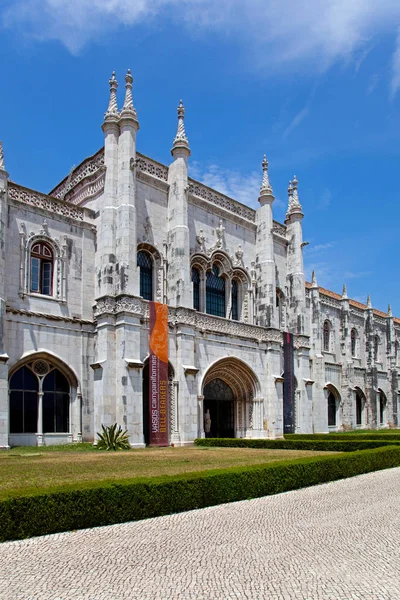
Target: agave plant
113	439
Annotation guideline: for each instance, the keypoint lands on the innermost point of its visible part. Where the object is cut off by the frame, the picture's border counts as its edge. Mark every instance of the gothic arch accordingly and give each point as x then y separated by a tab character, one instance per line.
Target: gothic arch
27	241
334	405
158	269
361	407
246	391
51	358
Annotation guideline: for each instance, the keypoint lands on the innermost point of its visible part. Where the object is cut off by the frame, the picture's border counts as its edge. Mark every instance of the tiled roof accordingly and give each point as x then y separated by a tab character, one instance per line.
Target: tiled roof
330	294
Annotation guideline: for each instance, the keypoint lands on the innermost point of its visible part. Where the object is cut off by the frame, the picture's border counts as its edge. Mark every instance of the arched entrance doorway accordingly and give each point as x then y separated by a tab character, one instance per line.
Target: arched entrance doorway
361	419
145	396
219	401
333	407
230	391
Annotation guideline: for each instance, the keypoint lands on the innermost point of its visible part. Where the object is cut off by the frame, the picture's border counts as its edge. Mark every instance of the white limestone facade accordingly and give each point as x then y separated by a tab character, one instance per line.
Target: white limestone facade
74	307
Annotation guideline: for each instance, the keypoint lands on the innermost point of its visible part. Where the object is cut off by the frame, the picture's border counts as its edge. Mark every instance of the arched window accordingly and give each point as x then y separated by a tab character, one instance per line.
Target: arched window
145	264
331	410
55	403
327	336
215	293
376	348
235	301
27	386
42	260
353	337
196	288
24	388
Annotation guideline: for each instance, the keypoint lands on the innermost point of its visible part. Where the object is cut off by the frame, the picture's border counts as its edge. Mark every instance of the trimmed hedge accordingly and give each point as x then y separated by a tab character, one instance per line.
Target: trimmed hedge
116	503
390	437
321	445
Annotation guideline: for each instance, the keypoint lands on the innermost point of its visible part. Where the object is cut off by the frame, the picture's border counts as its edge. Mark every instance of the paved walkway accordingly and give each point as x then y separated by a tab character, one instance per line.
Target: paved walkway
339	541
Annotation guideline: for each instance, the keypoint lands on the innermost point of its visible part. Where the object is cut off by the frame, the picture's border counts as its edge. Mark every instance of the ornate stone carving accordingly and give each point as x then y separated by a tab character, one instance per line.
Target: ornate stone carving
201	191
220	231
201	242
279	229
152	167
239	257
52	205
1	156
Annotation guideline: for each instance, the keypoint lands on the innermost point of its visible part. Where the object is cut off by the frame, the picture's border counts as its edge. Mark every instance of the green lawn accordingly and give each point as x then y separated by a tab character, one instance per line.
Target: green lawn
25	471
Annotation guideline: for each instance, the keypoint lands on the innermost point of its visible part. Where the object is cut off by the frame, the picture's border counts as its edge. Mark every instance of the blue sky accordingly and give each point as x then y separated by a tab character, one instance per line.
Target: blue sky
314	85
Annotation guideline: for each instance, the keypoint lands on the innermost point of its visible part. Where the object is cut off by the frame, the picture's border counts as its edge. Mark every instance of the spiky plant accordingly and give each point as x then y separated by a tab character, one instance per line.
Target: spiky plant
113	439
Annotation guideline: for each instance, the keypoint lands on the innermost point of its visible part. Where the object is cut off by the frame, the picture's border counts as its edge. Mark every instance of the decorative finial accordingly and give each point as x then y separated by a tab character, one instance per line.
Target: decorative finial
294	205
266	189
314	283
112	110
1	156
181	138
128	108
344	293
389	311
369	305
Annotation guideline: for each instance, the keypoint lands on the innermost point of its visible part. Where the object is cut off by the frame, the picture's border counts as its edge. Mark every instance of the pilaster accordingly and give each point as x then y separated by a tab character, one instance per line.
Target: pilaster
295	266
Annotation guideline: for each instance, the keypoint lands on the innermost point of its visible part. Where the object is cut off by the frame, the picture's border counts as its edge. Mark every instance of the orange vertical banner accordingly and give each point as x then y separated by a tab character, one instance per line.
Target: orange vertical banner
158	375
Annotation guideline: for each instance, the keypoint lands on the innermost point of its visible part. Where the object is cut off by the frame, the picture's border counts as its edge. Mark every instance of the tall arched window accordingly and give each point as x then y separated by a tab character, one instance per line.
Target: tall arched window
55	403
331	410
376	348
353	337
215	293
42	260
24	388
235	300
196	288
145	264
327	336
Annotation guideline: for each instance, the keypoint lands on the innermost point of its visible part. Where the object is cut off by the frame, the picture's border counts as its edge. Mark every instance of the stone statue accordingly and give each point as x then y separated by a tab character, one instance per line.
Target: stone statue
207	423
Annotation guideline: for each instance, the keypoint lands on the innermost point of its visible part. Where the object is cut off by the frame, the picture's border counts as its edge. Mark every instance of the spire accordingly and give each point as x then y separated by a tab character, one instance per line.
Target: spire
314	283
344	293
112	110
1	157
181	138
369	305
266	189
389	312
128	109
294	205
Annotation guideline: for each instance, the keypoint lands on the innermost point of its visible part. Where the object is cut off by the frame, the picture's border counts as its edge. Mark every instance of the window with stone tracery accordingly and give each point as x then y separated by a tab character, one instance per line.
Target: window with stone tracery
235	301
353	338
196	288
41	265
145	264
215	293
327	336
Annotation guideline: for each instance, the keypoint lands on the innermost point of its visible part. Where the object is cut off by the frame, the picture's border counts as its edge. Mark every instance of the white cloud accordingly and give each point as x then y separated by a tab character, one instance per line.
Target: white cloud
320	247
395	83
295	121
311	34
243	187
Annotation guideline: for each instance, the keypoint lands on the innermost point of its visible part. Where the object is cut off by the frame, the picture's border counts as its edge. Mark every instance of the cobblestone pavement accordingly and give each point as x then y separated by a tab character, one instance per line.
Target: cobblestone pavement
338	541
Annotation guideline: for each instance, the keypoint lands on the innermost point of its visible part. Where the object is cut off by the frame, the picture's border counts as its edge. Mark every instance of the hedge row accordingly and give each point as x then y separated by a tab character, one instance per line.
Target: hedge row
322	445
392	437
116	503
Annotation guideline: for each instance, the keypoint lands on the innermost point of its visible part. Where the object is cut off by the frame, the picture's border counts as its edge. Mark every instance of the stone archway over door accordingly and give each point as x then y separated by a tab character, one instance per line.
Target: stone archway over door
234	386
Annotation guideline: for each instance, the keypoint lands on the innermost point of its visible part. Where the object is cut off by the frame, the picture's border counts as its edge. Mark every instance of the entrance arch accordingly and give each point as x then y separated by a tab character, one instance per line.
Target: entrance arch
230	391
333	406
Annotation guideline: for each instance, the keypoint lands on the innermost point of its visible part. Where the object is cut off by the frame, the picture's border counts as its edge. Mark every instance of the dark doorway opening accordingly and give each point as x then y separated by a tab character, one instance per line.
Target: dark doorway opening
219	400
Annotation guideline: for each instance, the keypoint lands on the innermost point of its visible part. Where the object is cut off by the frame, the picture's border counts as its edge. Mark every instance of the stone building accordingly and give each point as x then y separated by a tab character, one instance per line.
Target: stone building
78	268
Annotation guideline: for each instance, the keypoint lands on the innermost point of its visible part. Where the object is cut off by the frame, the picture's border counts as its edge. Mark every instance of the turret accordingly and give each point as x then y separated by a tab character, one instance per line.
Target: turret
265	250
106	253
295	267
127	281
179	272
